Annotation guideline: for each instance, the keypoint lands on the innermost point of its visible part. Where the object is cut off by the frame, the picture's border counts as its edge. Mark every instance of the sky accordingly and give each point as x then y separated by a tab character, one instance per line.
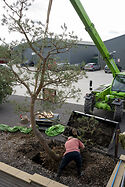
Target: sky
107	16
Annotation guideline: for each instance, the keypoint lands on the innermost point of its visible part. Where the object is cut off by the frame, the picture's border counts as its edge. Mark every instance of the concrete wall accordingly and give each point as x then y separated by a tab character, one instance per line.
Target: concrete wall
13	177
82	53
117	44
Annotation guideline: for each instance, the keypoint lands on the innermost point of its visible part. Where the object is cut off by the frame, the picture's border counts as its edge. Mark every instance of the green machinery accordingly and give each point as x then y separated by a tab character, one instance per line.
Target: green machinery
112	97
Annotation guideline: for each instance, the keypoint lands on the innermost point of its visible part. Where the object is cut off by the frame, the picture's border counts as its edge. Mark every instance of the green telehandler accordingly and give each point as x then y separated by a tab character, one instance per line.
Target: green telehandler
112	97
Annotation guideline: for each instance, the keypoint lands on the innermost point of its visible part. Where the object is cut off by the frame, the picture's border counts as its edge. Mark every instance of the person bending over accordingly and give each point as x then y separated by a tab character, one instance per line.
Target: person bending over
72	146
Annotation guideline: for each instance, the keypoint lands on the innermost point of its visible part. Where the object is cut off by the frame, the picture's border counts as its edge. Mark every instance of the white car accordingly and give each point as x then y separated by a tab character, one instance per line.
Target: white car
107	70
4	65
92	67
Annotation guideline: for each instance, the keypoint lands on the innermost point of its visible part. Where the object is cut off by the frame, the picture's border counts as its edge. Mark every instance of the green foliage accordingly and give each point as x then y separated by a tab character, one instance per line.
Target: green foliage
6	83
92	132
122	139
4	52
88	128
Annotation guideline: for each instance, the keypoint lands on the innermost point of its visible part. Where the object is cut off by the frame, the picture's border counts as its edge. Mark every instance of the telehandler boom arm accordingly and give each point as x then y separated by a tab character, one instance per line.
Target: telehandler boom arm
89	26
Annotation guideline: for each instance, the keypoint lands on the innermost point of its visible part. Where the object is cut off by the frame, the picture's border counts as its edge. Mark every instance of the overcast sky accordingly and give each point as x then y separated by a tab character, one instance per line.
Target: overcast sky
108	17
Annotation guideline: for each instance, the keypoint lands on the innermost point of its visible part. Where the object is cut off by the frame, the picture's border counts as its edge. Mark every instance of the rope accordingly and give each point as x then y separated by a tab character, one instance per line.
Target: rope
48	15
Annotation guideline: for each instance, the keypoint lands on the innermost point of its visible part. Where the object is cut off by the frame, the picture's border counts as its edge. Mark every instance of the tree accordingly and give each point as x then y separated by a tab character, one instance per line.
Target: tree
47	47
6	77
6	83
4	52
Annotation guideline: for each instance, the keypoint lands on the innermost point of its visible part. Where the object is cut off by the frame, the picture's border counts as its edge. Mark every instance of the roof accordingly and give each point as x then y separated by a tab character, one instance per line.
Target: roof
115	38
86	43
92	43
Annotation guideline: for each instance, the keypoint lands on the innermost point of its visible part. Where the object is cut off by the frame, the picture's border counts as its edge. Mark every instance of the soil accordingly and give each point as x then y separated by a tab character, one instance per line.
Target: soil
24	152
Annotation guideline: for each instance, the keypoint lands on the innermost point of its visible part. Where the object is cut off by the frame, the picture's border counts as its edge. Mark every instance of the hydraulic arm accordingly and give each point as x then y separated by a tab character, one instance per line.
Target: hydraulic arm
90	28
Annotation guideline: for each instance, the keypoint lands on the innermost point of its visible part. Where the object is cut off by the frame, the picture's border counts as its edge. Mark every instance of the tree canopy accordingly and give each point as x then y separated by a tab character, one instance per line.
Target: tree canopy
47	48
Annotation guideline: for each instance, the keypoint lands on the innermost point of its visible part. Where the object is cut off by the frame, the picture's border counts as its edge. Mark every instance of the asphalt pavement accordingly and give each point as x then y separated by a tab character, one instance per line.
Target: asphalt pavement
10	114
98	78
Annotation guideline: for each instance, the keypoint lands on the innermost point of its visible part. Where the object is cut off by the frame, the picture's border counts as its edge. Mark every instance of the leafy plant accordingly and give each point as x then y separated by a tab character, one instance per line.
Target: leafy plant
6	83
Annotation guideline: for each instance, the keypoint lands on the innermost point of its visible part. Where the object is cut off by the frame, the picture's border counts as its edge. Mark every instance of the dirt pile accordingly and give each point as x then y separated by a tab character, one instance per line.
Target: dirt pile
24	152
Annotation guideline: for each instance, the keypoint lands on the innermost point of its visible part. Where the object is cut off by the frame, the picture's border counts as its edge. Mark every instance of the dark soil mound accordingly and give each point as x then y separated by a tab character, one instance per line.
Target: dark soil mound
24	152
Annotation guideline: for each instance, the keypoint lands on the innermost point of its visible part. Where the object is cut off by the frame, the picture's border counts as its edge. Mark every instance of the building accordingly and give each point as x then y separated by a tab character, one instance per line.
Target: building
85	51
118	46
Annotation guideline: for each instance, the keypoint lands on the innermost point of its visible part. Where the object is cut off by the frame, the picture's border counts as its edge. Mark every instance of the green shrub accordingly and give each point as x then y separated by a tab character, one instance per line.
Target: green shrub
5	83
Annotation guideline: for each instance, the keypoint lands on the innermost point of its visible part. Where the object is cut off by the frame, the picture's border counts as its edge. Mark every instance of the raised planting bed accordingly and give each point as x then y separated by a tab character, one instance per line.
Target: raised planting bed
24	152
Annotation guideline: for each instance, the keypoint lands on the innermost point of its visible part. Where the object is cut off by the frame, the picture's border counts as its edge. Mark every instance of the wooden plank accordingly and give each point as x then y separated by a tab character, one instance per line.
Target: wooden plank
122	157
117	180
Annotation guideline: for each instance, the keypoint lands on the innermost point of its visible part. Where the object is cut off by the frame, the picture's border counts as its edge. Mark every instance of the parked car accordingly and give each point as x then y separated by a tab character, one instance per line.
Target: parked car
28	63
92	67
3	61
107	70
4	66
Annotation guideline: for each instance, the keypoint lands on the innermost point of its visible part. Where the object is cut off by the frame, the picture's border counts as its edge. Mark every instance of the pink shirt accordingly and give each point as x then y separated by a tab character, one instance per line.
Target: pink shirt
73	144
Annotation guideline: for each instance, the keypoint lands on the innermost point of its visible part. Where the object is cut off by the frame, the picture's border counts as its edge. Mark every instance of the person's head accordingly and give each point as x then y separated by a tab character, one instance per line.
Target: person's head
73	132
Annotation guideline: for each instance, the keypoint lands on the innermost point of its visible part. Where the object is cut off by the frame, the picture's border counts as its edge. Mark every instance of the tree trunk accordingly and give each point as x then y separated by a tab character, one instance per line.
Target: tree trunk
39	135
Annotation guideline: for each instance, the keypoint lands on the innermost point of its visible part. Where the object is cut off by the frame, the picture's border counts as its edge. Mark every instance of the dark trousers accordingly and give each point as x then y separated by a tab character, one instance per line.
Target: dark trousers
69	157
